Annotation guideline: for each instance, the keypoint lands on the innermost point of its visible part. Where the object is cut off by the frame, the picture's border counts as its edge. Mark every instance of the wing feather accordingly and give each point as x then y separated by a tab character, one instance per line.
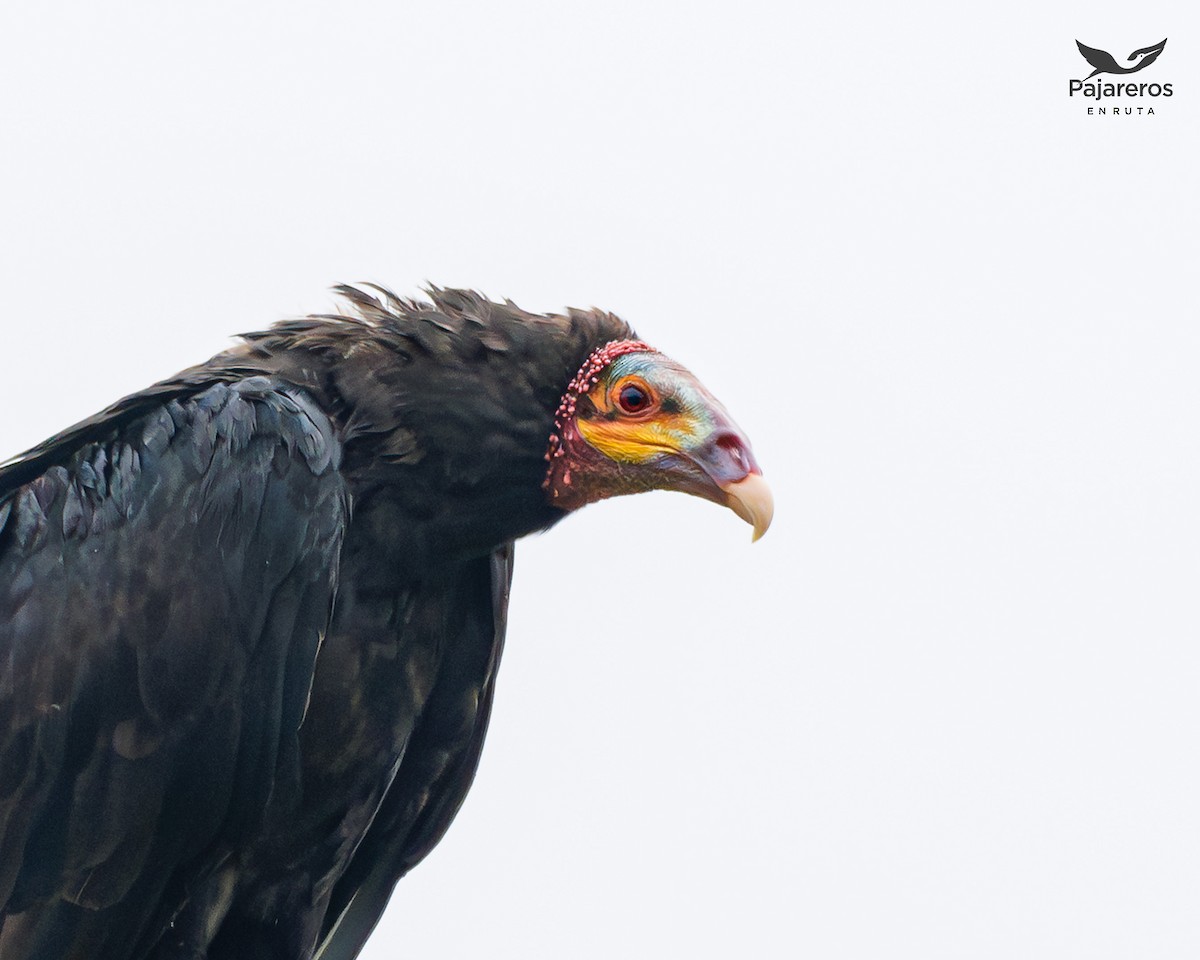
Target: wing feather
1100	59
164	585
439	763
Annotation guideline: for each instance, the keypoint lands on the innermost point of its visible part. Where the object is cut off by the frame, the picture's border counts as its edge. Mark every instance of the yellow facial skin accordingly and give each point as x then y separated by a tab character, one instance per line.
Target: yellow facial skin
630	439
673	418
656	428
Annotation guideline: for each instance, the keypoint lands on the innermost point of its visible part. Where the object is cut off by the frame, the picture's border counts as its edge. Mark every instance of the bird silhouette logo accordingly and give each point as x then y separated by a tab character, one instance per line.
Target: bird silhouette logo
1104	62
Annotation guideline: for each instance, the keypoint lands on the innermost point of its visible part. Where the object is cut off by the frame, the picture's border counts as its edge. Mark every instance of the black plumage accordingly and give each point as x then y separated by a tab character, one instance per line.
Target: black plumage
167	573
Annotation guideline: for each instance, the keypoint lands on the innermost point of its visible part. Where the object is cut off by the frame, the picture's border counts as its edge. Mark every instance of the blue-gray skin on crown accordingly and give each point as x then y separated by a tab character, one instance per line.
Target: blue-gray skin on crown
250	620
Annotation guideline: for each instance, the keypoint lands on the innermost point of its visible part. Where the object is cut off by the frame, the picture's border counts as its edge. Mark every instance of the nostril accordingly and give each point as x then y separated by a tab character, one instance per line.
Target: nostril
732	444
725	456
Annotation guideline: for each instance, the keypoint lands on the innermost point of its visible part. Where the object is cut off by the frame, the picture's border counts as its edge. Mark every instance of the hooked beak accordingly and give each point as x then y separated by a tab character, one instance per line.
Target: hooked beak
731	477
692	446
750	498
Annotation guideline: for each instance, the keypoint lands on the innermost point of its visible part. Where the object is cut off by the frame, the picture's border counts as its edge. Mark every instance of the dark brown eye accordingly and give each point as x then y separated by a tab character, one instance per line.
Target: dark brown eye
633	399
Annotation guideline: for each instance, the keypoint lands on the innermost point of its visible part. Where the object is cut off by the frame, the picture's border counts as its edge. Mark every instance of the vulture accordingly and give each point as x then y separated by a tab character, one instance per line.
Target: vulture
250	617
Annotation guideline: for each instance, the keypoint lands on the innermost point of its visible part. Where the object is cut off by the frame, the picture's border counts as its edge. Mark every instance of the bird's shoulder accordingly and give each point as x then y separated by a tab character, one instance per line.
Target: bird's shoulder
166	573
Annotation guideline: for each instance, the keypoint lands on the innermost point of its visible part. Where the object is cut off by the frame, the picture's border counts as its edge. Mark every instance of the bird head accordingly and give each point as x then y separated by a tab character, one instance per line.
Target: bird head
634	420
1148	54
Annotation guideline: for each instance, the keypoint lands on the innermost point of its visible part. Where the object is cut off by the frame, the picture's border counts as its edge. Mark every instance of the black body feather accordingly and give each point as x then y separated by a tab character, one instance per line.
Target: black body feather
250	620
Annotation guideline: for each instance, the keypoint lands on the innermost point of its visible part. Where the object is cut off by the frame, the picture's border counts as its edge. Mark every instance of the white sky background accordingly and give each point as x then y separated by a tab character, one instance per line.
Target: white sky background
950	705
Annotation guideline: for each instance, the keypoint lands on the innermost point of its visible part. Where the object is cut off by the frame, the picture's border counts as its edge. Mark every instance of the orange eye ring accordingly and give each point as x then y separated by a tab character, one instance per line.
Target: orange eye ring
633	397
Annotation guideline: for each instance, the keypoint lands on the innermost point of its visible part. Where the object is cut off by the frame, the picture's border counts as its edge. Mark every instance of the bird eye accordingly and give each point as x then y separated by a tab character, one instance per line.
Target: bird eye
633	399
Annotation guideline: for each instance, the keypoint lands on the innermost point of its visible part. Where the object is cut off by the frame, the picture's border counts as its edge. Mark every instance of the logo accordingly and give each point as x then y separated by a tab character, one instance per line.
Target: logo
1103	62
